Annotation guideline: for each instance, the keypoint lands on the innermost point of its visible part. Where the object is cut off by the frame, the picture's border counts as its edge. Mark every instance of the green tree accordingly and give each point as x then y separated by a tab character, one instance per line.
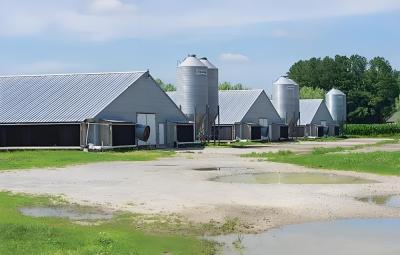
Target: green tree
371	86
228	86
165	87
311	93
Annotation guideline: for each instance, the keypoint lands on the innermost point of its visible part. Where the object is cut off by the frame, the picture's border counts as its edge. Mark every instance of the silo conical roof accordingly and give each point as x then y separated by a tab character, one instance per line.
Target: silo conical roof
335	92
191	60
207	63
284	81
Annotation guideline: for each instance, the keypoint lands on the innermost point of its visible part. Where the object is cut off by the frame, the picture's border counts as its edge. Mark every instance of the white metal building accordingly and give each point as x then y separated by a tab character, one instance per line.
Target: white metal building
103	110
315	119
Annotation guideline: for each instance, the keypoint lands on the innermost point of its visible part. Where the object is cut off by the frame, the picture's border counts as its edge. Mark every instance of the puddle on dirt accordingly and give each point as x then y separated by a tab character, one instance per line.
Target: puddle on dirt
207	169
71	213
220	168
389	200
354	236
291	178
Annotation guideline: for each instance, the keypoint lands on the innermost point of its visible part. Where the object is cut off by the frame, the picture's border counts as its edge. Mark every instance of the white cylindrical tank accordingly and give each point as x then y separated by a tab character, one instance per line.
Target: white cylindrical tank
212	75
286	100
192	87
336	102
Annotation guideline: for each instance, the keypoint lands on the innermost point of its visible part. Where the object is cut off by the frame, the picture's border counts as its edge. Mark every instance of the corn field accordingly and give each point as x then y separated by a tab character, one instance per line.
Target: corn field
372	129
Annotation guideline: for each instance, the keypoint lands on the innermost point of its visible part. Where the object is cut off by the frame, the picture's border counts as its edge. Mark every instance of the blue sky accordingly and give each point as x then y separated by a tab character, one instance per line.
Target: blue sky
252	42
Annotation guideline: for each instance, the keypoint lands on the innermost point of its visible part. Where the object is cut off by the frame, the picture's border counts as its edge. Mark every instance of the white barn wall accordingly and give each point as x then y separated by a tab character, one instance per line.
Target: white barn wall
322	114
262	109
144	96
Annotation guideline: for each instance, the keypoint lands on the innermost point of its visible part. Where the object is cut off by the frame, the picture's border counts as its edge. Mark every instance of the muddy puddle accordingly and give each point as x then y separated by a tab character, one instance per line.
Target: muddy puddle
291	178
389	200
221	168
72	213
341	237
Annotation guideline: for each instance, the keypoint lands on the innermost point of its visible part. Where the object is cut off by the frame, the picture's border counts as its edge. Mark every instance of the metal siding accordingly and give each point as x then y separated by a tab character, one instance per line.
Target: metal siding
145	97
61	97
262	108
312	111
192	85
234	104
212	75
286	99
336	103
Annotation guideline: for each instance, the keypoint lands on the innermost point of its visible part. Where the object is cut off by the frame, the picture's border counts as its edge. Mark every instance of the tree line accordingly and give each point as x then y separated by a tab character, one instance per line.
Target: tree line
372	86
167	87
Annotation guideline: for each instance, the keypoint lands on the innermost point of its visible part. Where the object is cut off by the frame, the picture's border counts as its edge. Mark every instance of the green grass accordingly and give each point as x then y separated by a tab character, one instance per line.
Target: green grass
27	235
323	139
45	158
237	144
385	163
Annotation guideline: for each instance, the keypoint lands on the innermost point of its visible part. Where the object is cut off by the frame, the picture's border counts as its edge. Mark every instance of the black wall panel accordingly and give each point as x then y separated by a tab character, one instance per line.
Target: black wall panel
184	133
40	135
123	135
255	133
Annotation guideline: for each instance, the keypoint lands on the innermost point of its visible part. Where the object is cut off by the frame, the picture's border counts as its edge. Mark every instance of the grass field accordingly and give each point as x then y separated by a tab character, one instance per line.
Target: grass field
48	158
385	163
27	235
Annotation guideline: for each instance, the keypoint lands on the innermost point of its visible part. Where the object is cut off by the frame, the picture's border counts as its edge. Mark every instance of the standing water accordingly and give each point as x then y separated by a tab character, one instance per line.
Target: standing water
291	178
390	200
340	237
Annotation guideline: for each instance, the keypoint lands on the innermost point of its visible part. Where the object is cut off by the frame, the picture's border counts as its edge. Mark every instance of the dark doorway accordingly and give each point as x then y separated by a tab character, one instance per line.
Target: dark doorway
40	135
320	131
284	132
123	135
184	133
255	133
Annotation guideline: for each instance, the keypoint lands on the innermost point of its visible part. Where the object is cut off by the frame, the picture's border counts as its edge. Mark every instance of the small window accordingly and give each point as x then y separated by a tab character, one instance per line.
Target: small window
323	123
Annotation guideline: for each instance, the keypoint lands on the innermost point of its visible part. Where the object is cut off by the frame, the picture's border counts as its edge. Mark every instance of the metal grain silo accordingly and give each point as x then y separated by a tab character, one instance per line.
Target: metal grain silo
286	100
192	87
212	74
336	102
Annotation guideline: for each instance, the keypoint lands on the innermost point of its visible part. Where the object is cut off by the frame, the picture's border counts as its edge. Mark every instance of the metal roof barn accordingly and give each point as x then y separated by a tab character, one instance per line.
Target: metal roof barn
313	111
95	101
240	106
60	98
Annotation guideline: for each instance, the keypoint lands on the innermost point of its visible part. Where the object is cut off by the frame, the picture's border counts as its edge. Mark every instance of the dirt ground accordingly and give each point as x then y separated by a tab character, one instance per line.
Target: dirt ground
172	185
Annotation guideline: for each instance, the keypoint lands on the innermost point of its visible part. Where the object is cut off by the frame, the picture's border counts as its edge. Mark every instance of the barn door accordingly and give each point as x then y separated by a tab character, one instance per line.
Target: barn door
148	119
161	138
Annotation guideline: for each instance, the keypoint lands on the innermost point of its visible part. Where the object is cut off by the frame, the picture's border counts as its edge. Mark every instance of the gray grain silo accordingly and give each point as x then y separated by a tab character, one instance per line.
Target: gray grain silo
212	89
192	87
336	102
287	102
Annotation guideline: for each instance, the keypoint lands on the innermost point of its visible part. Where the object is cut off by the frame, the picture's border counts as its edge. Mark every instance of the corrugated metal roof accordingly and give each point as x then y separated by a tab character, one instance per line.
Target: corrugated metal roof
308	109
60	97
175	97
234	104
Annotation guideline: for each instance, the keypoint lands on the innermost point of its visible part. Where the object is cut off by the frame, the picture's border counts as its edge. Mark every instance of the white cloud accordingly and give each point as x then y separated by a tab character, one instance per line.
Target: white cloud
233	57
108	19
